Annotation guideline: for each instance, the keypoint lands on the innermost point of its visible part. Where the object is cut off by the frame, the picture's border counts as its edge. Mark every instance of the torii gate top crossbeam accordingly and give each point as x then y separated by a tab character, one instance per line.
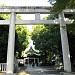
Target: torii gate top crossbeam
25	9
29	9
37	10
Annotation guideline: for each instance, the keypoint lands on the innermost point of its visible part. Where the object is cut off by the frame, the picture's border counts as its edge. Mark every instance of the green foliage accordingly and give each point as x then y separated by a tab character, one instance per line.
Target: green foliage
19	17
5	16
2	5
23	36
47	40
59	5
71	38
3	42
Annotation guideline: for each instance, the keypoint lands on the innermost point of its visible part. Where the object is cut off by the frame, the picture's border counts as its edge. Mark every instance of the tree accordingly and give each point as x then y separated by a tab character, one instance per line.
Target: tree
23	36
4	30
59	5
46	39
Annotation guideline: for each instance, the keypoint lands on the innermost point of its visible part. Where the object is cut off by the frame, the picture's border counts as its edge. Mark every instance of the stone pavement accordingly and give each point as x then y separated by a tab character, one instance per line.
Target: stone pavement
42	71
39	71
36	71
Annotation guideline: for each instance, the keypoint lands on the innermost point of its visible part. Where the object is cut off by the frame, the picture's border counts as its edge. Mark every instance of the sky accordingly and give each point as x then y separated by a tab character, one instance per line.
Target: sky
26	3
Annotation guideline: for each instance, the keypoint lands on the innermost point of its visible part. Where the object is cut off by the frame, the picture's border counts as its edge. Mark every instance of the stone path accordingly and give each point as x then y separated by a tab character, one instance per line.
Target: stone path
42	71
37	71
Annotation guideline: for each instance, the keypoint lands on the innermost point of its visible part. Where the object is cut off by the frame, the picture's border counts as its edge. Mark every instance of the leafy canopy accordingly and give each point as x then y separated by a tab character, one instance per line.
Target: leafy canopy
59	5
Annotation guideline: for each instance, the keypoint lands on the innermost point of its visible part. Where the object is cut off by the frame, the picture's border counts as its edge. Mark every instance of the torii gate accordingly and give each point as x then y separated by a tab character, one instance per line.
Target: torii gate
13	10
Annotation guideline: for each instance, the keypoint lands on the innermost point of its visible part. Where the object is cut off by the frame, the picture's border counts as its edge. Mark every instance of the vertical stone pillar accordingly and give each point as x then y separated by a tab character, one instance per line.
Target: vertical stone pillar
64	41
34	60
11	42
28	61
37	16
24	61
38	61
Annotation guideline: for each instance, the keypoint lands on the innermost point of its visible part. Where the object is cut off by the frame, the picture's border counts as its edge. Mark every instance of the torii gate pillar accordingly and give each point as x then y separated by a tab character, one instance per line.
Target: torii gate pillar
11	41
65	46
